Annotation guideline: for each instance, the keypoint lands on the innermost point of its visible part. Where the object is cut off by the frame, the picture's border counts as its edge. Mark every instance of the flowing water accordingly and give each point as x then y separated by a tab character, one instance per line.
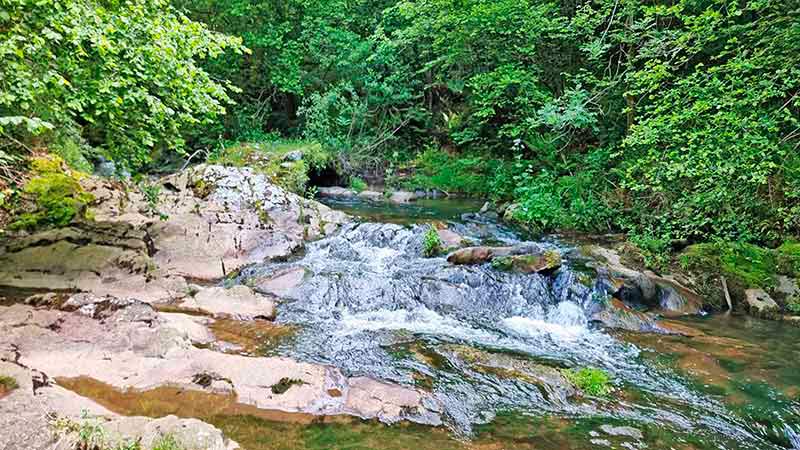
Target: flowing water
371	305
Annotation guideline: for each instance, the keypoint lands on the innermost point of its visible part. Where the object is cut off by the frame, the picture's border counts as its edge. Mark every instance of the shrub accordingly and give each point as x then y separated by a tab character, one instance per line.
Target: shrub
432	244
358	185
7	383
592	381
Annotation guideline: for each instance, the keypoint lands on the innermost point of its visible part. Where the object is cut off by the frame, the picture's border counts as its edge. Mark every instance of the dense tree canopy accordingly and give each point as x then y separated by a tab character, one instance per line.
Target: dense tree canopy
675	120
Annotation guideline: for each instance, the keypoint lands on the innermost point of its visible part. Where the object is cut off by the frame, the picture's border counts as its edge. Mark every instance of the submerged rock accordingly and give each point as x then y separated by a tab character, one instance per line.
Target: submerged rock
622	431
552	384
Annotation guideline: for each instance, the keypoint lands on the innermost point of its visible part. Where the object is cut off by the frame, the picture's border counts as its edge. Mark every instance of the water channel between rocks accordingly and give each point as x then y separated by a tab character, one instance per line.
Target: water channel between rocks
490	345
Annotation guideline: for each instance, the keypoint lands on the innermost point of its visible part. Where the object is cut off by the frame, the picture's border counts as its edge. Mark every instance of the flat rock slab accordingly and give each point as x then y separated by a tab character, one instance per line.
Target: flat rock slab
281	282
131	346
239	302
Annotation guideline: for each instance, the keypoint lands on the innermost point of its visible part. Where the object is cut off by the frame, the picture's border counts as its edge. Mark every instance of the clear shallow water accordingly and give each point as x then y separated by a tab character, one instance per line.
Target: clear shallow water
371	305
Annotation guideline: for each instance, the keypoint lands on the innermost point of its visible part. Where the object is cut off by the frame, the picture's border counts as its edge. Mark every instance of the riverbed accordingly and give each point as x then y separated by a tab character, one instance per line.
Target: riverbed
371	305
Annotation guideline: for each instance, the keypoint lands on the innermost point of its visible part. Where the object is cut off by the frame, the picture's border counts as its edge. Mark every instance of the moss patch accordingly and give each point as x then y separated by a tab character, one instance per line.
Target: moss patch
53	197
285	384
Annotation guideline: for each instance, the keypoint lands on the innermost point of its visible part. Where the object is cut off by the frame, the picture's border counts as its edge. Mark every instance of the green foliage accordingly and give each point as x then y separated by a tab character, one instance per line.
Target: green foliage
677	123
744	264
590	380
122	75
436	169
793	305
167	442
566	196
269	158
358	185
54	196
432	244
8	383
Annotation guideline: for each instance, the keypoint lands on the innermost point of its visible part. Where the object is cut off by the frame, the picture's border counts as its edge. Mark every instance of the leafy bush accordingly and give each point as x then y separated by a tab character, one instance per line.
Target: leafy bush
592	381
7	383
358	185
436	169
567	197
432	244
122	75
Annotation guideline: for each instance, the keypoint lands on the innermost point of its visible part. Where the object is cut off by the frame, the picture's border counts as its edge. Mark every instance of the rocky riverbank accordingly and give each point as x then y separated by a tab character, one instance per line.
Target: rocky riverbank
147	316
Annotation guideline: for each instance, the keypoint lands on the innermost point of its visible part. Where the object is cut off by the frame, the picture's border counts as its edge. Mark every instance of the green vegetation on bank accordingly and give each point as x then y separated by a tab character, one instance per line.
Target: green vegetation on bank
677	123
7	384
90	434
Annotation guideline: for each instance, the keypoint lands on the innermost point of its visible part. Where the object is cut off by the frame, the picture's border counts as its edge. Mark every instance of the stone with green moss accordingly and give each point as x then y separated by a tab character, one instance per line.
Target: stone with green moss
53	197
533	263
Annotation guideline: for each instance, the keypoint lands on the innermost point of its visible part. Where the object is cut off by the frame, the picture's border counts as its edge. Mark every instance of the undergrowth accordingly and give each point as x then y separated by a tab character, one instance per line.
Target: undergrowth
590	380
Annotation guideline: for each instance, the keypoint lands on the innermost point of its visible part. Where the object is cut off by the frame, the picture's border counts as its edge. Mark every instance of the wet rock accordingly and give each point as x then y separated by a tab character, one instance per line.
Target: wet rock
643	288
617	315
527	258
471	255
760	304
450	239
336	191
240	302
622	431
281	282
371	196
534	263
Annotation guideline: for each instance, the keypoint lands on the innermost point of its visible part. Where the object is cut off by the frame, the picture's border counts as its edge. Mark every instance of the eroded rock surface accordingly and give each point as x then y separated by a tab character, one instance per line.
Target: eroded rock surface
219	219
128	345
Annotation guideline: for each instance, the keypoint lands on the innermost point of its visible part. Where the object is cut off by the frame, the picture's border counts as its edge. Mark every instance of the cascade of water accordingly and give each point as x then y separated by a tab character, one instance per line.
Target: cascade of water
372	305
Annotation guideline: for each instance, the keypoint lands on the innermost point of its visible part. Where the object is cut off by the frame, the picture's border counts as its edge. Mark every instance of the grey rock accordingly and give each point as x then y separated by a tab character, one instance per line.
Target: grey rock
760	304
294	155
622	431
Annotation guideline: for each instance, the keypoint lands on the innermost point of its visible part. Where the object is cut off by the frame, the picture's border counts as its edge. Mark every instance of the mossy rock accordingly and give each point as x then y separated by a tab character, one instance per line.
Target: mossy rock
549	260
53	196
744	266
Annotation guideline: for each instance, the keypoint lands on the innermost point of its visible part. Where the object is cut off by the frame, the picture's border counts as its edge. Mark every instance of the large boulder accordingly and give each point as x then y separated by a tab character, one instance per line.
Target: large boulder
760	304
642	287
208	221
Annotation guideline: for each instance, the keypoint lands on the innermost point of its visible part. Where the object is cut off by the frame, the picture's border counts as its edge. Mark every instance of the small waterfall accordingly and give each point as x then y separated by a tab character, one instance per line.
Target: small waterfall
370	304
